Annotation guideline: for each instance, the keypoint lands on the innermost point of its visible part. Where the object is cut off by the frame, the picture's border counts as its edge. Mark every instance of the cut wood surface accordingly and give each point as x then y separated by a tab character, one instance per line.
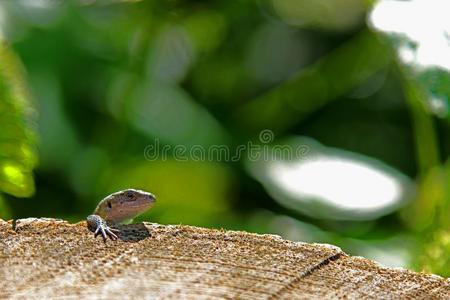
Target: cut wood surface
48	258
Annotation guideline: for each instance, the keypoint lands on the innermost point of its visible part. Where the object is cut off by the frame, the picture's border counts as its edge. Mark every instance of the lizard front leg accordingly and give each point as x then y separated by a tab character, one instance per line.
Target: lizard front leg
99	226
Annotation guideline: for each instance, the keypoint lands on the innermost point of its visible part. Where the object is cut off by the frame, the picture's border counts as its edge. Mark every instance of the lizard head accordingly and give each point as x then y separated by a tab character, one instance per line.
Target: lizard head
124	205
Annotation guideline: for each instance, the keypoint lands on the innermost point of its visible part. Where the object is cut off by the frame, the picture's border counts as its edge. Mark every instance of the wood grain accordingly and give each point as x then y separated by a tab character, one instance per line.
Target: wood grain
52	259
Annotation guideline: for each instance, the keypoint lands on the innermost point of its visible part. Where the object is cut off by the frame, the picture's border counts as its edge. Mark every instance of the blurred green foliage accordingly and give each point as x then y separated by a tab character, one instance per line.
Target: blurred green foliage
17	139
110	78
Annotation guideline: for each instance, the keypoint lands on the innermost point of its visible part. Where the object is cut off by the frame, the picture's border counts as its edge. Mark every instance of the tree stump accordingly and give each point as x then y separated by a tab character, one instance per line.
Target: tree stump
49	258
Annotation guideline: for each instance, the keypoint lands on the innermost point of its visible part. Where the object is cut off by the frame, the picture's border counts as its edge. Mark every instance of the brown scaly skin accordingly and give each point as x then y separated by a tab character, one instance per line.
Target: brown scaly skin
116	208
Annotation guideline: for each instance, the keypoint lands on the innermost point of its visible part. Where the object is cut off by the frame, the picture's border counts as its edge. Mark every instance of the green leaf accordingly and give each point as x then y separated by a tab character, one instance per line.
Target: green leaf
18	154
435	255
436	84
316	86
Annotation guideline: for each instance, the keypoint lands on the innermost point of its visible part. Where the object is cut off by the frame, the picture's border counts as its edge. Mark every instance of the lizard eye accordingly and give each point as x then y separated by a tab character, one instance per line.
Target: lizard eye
130	195
109	204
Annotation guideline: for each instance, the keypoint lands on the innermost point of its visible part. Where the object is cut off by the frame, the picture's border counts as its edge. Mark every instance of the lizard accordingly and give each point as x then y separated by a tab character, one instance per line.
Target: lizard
117	208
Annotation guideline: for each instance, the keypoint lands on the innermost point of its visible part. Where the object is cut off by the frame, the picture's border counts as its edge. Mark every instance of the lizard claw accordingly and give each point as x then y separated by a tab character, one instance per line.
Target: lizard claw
105	231
99	226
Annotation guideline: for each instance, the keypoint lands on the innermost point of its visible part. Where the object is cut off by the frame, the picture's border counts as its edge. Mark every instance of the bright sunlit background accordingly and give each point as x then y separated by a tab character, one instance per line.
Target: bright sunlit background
101	95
